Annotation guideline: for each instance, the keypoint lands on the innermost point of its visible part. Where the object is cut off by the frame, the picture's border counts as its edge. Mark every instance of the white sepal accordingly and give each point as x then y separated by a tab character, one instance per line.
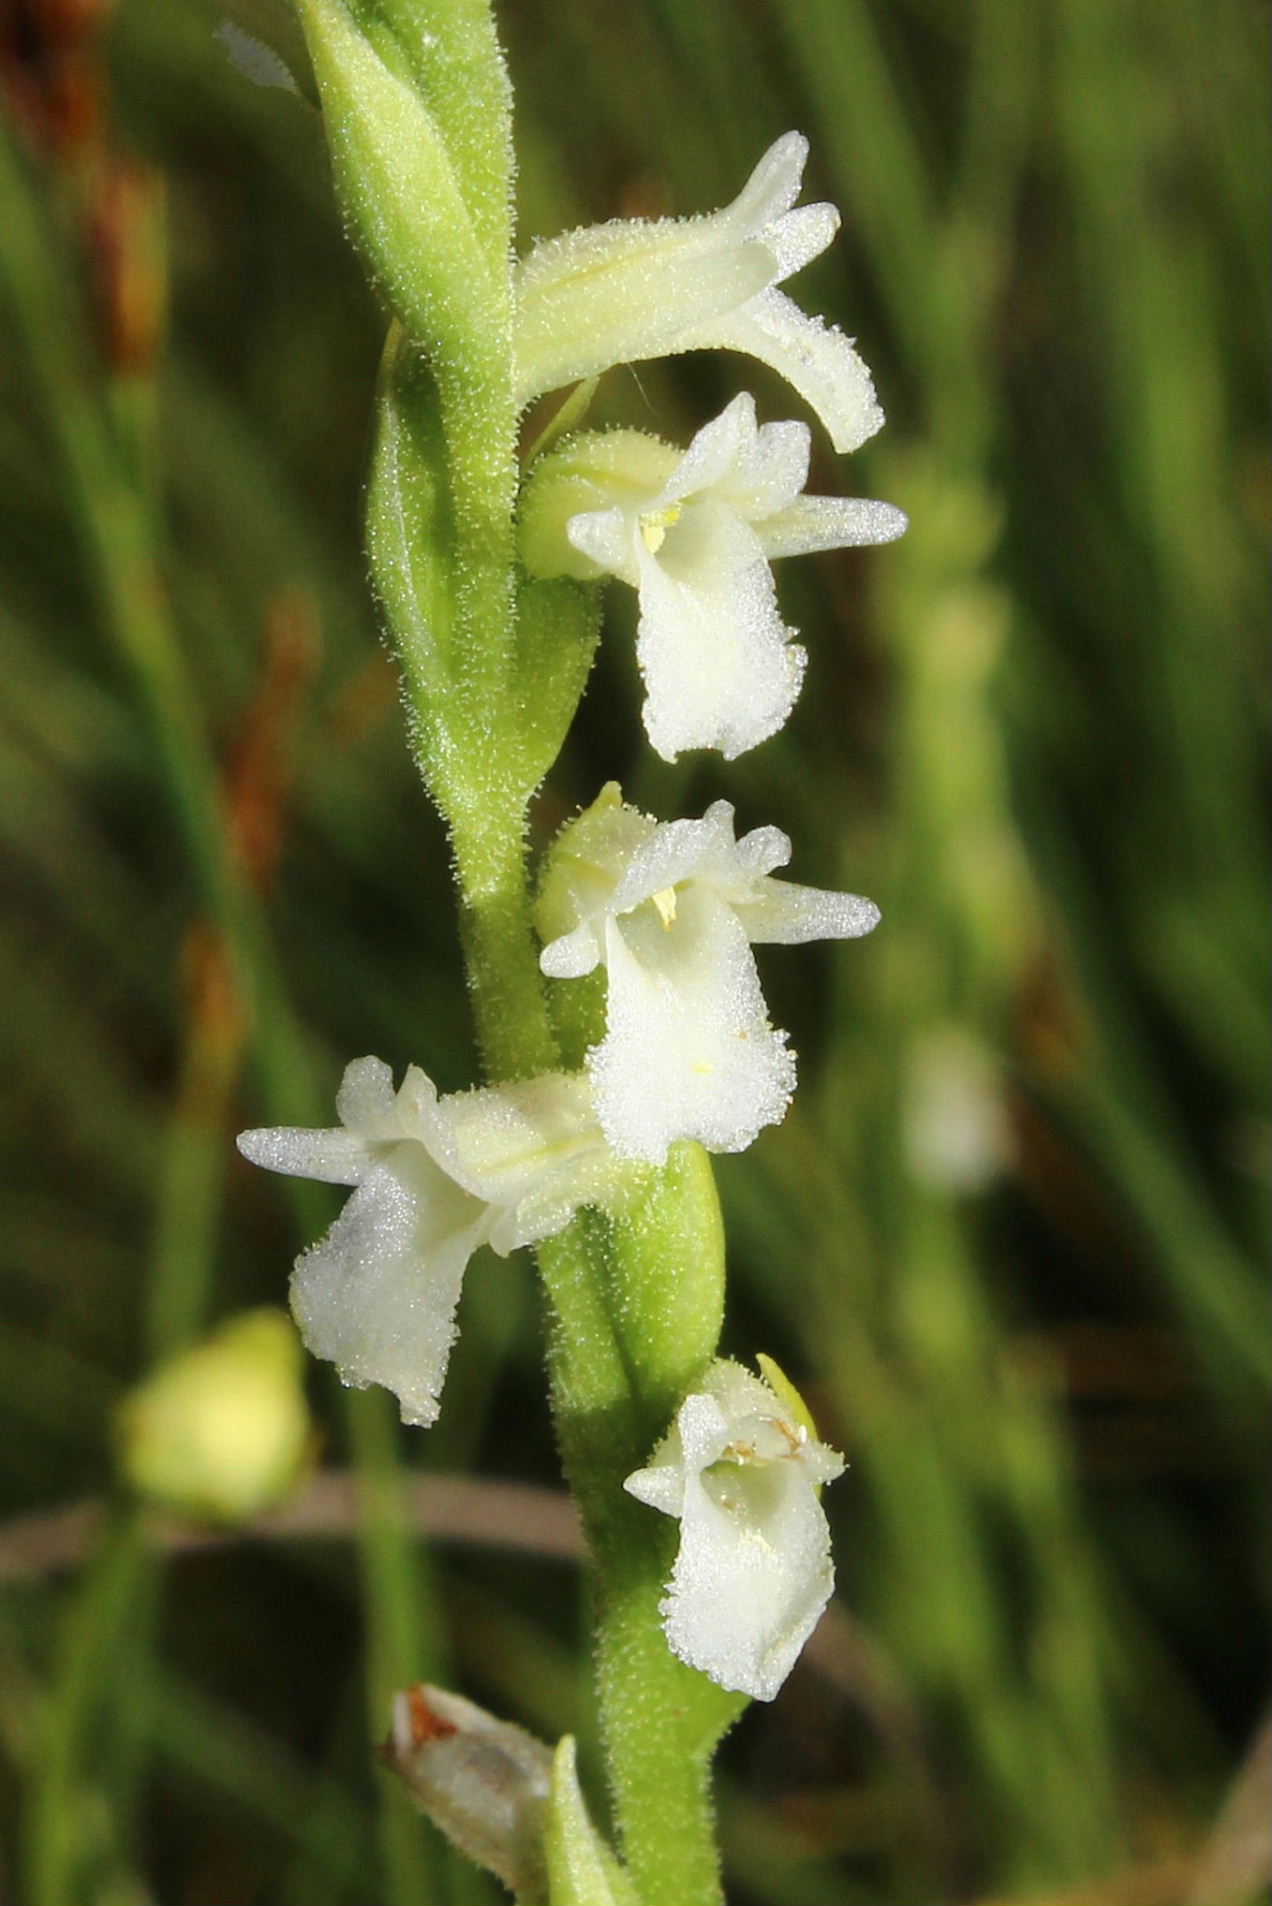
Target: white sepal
635	288
752	1573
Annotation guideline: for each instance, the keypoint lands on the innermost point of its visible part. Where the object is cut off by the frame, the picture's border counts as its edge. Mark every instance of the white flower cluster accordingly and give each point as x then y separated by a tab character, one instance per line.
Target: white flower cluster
670	910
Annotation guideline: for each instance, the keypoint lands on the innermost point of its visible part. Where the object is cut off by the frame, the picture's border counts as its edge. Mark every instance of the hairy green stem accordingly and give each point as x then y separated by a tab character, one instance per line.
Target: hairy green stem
632	1322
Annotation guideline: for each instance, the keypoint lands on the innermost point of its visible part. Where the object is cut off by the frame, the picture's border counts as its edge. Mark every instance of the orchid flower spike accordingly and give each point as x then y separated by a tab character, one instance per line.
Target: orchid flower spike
671	909
434	1179
742	1471
638	288
694	533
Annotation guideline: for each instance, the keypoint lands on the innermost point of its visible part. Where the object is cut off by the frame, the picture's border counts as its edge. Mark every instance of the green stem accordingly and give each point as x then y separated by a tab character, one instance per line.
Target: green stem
660	1720
500	951
634	1316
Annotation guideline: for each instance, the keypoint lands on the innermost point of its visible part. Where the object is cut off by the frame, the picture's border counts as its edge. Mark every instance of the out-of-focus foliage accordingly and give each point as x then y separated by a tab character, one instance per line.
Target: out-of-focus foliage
1009	1240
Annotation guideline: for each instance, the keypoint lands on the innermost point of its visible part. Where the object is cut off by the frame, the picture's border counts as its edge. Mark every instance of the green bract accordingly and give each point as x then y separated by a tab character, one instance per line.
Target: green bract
581	1869
491	694
402	191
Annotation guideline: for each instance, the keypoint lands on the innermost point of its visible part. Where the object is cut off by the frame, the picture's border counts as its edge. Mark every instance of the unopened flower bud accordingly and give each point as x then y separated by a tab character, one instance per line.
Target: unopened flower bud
484	1783
222	1430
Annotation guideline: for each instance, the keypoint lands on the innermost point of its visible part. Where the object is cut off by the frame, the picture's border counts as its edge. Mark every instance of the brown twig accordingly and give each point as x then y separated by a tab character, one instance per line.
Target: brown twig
461	1509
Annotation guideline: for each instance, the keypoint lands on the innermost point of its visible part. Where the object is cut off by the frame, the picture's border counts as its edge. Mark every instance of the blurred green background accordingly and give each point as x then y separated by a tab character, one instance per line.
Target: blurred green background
1010	1237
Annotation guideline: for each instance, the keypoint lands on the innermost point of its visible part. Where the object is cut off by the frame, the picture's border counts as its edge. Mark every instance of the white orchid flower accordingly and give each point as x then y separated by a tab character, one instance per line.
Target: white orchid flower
434	1179
638	288
671	910
694	533
742	1471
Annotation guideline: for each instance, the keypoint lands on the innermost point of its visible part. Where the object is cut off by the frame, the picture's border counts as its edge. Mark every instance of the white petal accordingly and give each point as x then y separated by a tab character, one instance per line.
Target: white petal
533	1150
606	537
714	453
673	852
772	475
772	188
366	1101
829	522
377	1296
370	1111
779	913
688	1051
624	291
334	1157
800	236
660	1486
754	856
816	358
572	954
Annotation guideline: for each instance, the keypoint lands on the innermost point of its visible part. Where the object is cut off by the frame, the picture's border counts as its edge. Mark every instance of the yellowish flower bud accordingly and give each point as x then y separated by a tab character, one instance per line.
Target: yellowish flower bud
222	1430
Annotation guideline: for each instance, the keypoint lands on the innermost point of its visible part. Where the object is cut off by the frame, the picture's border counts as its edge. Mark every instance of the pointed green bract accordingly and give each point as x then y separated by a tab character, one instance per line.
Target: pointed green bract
785	1392
669	1252
558	624
582	1871
454	58
492	691
402	194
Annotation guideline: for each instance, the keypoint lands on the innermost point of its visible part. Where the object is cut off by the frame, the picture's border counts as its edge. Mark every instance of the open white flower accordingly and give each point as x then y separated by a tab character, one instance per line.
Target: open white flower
434	1179
694	533
637	288
752	1575
671	909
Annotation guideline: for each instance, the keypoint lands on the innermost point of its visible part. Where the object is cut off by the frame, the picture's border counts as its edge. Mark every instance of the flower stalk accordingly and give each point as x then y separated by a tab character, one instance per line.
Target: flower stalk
696	1481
